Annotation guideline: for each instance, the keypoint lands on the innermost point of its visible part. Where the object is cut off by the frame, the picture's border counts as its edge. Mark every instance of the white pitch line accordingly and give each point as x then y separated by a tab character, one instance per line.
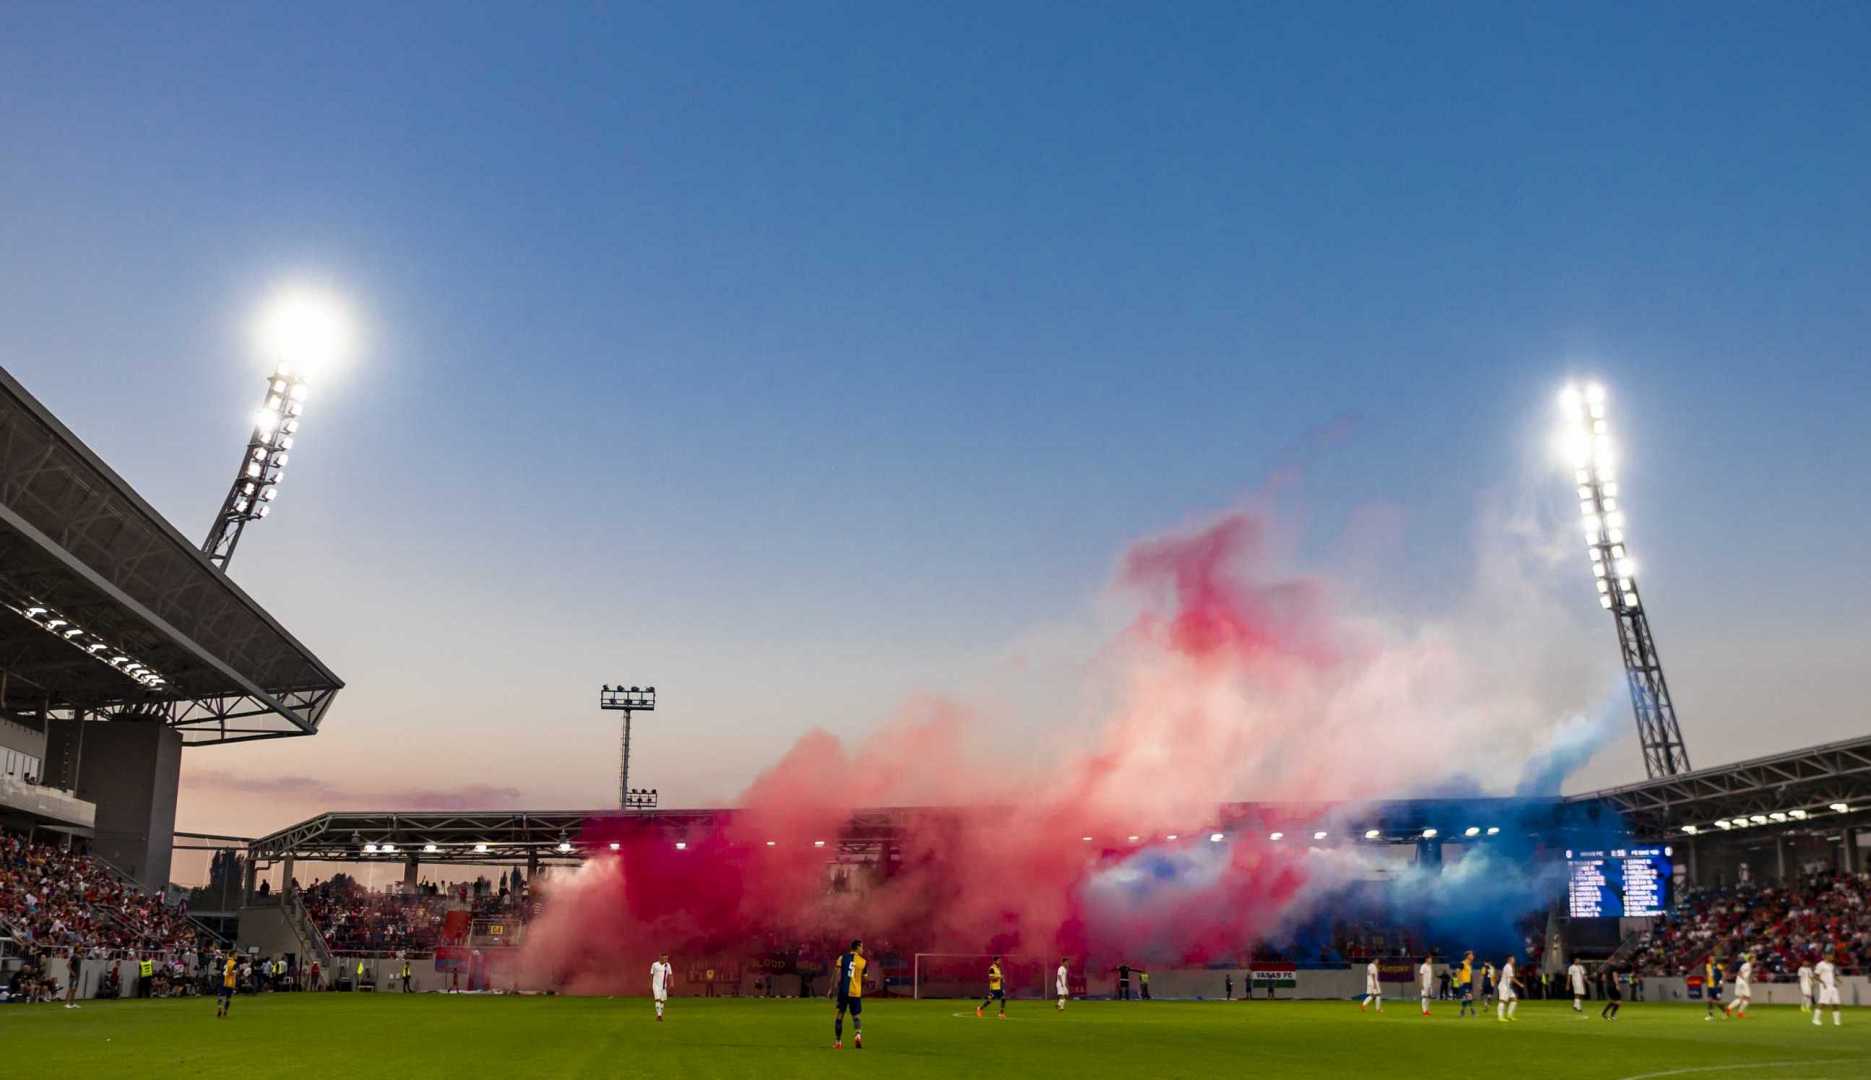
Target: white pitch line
1735	1068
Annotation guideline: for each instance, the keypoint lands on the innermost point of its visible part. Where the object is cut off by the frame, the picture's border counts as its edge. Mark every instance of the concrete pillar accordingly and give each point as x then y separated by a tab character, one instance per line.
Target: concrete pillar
1780	857
409	872
285	874
1848	850
131	770
532	868
1695	877
64	750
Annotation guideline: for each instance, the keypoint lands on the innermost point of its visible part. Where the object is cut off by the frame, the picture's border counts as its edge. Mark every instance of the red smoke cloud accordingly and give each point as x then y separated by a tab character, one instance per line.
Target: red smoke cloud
1233	686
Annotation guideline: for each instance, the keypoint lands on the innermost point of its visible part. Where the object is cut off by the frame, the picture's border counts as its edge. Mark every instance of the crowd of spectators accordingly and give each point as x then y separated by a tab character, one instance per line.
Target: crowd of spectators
353	918
53	897
1783	925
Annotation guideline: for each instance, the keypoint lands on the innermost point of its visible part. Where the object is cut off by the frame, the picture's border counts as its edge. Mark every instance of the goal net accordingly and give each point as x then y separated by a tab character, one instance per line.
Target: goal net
964	975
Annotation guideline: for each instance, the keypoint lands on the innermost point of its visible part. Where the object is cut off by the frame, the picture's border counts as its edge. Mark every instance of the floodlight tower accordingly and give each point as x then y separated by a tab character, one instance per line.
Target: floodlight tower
262	466
627	701
302	330
1588	440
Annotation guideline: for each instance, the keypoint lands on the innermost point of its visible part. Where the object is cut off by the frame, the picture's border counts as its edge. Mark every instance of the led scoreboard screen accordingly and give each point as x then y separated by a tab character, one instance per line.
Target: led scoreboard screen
1633	882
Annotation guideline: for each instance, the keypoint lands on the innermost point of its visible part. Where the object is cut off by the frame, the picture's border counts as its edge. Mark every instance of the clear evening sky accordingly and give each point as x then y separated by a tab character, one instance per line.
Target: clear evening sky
801	358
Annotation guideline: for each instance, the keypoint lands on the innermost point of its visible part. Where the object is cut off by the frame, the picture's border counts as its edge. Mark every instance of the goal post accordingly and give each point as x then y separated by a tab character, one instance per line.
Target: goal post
964	975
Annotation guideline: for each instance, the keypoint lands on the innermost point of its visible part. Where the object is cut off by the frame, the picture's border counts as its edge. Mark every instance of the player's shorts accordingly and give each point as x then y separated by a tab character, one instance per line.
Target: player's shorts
1829	997
997	995
1372	988
1508	994
1741	988
660	995
1614	992
852	1005
226	991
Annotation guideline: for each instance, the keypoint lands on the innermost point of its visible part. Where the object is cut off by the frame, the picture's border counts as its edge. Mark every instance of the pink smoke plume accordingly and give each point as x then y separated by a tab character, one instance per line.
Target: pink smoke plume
1234	683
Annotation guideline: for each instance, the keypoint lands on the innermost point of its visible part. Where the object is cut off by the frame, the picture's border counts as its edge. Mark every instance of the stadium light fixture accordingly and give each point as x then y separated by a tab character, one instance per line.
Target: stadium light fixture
771	843
1276	836
1472	830
565	847
1494	830
615	846
1724	824
1215	838
1797	815
818	843
480	849
1840	808
1133	838
1758	819
1085	839
1429	834
1171	836
430	849
68	630
1777	816
370	849
682	845
387	849
1690	829
1371	834
1320	835
627	701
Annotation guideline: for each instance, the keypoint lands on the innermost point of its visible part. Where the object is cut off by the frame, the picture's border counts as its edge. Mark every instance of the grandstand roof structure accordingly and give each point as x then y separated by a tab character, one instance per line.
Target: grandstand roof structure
1799	789
109	612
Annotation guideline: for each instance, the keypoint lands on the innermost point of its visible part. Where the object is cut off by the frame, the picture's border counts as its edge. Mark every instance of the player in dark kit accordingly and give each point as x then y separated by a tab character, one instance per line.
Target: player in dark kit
995	992
848	985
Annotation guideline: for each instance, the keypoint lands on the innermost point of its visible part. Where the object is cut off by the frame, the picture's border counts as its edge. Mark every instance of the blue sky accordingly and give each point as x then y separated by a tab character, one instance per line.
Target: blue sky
802	357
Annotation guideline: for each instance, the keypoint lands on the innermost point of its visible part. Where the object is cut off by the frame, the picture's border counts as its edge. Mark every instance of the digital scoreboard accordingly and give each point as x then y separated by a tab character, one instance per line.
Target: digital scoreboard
1621	882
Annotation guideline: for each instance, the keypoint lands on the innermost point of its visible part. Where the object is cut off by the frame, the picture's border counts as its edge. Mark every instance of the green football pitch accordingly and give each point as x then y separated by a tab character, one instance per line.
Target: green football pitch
430	1035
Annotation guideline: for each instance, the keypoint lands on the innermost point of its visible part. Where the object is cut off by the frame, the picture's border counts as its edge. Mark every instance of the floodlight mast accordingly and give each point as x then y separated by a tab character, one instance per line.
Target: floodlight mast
627	701
1589	443
262	465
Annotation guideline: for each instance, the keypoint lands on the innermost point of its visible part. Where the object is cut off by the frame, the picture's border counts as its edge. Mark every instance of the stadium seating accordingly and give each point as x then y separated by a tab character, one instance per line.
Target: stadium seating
1782	925
52	898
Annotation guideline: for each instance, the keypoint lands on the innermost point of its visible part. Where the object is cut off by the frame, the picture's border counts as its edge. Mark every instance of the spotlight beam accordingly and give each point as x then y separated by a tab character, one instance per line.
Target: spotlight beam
1588	440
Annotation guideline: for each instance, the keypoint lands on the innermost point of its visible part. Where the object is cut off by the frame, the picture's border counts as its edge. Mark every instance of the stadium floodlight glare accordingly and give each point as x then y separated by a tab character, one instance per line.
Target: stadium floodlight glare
1172	836
1086	839
370	849
305	330
1215	838
480	849
1494	830
1690	829
1840	808
1586	440
818	843
430	849
1429	834
1133	838
1320	835
565	847
771	843
1472	830
1276	836
682	845
1372	834
387	849
1724	824
1758	819
1777	816
1797	815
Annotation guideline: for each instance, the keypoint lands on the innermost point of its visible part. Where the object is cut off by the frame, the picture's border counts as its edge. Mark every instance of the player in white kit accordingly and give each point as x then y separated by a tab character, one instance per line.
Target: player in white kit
1828	976
1373	990
1505	994
1426	980
1060	983
1737	1006
660	973
1806	987
1575	976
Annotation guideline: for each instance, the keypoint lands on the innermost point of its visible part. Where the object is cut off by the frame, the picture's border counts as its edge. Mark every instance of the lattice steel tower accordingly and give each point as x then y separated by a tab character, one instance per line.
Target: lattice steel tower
262	464
1589	443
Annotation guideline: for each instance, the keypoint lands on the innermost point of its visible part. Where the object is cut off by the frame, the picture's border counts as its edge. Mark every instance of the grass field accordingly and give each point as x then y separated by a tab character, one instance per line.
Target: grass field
430	1035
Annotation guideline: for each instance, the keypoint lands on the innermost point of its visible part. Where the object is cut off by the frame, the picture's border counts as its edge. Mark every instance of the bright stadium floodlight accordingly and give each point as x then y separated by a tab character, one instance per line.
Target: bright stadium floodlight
1840	808
1429	834
480	849
370	849
1085	839
1133	838
1215	838
615	846
430	849
565	847
1777	816
818	843
304	332
388	849
772	843
1472	830
1797	815
1372	834
1171	836
682	845
1585	438
1758	819
1320	835
1276	836
1690	829
1494	830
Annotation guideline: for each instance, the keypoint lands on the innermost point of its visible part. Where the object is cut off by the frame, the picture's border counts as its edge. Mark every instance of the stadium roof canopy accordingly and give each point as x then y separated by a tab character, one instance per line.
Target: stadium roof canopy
1800	789
107	610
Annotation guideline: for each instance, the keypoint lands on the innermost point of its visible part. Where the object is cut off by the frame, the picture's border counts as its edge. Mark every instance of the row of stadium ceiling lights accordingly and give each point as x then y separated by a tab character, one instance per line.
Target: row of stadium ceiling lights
565	846
1761	819
41	615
